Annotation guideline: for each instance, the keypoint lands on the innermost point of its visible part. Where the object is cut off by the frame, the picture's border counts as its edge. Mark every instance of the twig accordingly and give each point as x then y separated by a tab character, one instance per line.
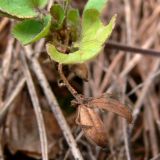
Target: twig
55	107
132	49
126	132
37	109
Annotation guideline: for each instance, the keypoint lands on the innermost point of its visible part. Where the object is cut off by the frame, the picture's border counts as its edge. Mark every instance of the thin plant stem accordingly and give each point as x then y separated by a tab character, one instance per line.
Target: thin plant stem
131	49
75	94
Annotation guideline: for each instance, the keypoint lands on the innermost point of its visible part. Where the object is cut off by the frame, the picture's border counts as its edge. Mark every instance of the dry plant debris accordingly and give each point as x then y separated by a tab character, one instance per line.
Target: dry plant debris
135	78
92	125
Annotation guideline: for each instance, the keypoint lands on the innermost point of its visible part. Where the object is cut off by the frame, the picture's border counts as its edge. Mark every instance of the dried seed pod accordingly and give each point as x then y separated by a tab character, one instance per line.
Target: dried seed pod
80	70
92	125
112	105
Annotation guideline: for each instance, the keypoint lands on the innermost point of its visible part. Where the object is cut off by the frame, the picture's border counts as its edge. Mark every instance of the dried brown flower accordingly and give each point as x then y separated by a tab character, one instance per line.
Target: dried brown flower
91	122
92	125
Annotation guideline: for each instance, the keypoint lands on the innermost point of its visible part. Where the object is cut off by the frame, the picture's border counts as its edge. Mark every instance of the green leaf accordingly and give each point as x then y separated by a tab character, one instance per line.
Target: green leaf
29	31
94	34
73	17
95	4
58	15
21	9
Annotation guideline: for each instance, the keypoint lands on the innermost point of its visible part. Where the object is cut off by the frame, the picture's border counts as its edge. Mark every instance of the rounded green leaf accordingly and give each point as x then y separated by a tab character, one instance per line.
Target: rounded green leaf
95	4
92	39
29	31
21	8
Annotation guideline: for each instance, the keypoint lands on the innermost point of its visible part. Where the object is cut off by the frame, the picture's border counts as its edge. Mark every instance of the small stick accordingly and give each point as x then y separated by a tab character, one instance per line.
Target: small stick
132	49
126	133
37	108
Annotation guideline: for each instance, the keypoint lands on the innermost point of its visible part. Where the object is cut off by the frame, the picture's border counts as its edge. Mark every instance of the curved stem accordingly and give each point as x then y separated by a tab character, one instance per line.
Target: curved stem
75	94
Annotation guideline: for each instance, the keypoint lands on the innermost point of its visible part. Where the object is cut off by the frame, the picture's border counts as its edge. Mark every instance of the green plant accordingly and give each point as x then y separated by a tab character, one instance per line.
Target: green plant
69	40
81	43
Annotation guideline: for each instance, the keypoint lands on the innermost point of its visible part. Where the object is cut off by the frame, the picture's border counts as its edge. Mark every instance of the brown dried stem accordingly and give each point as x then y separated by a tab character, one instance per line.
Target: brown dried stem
75	94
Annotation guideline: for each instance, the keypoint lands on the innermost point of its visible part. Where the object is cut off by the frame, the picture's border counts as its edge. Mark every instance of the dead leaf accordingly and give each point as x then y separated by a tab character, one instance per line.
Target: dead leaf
92	125
112	105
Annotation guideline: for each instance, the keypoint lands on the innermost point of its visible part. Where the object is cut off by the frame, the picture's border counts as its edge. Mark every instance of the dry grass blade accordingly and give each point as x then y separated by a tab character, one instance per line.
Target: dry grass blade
37	109
7	103
4	70
112	105
92	125
8	56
